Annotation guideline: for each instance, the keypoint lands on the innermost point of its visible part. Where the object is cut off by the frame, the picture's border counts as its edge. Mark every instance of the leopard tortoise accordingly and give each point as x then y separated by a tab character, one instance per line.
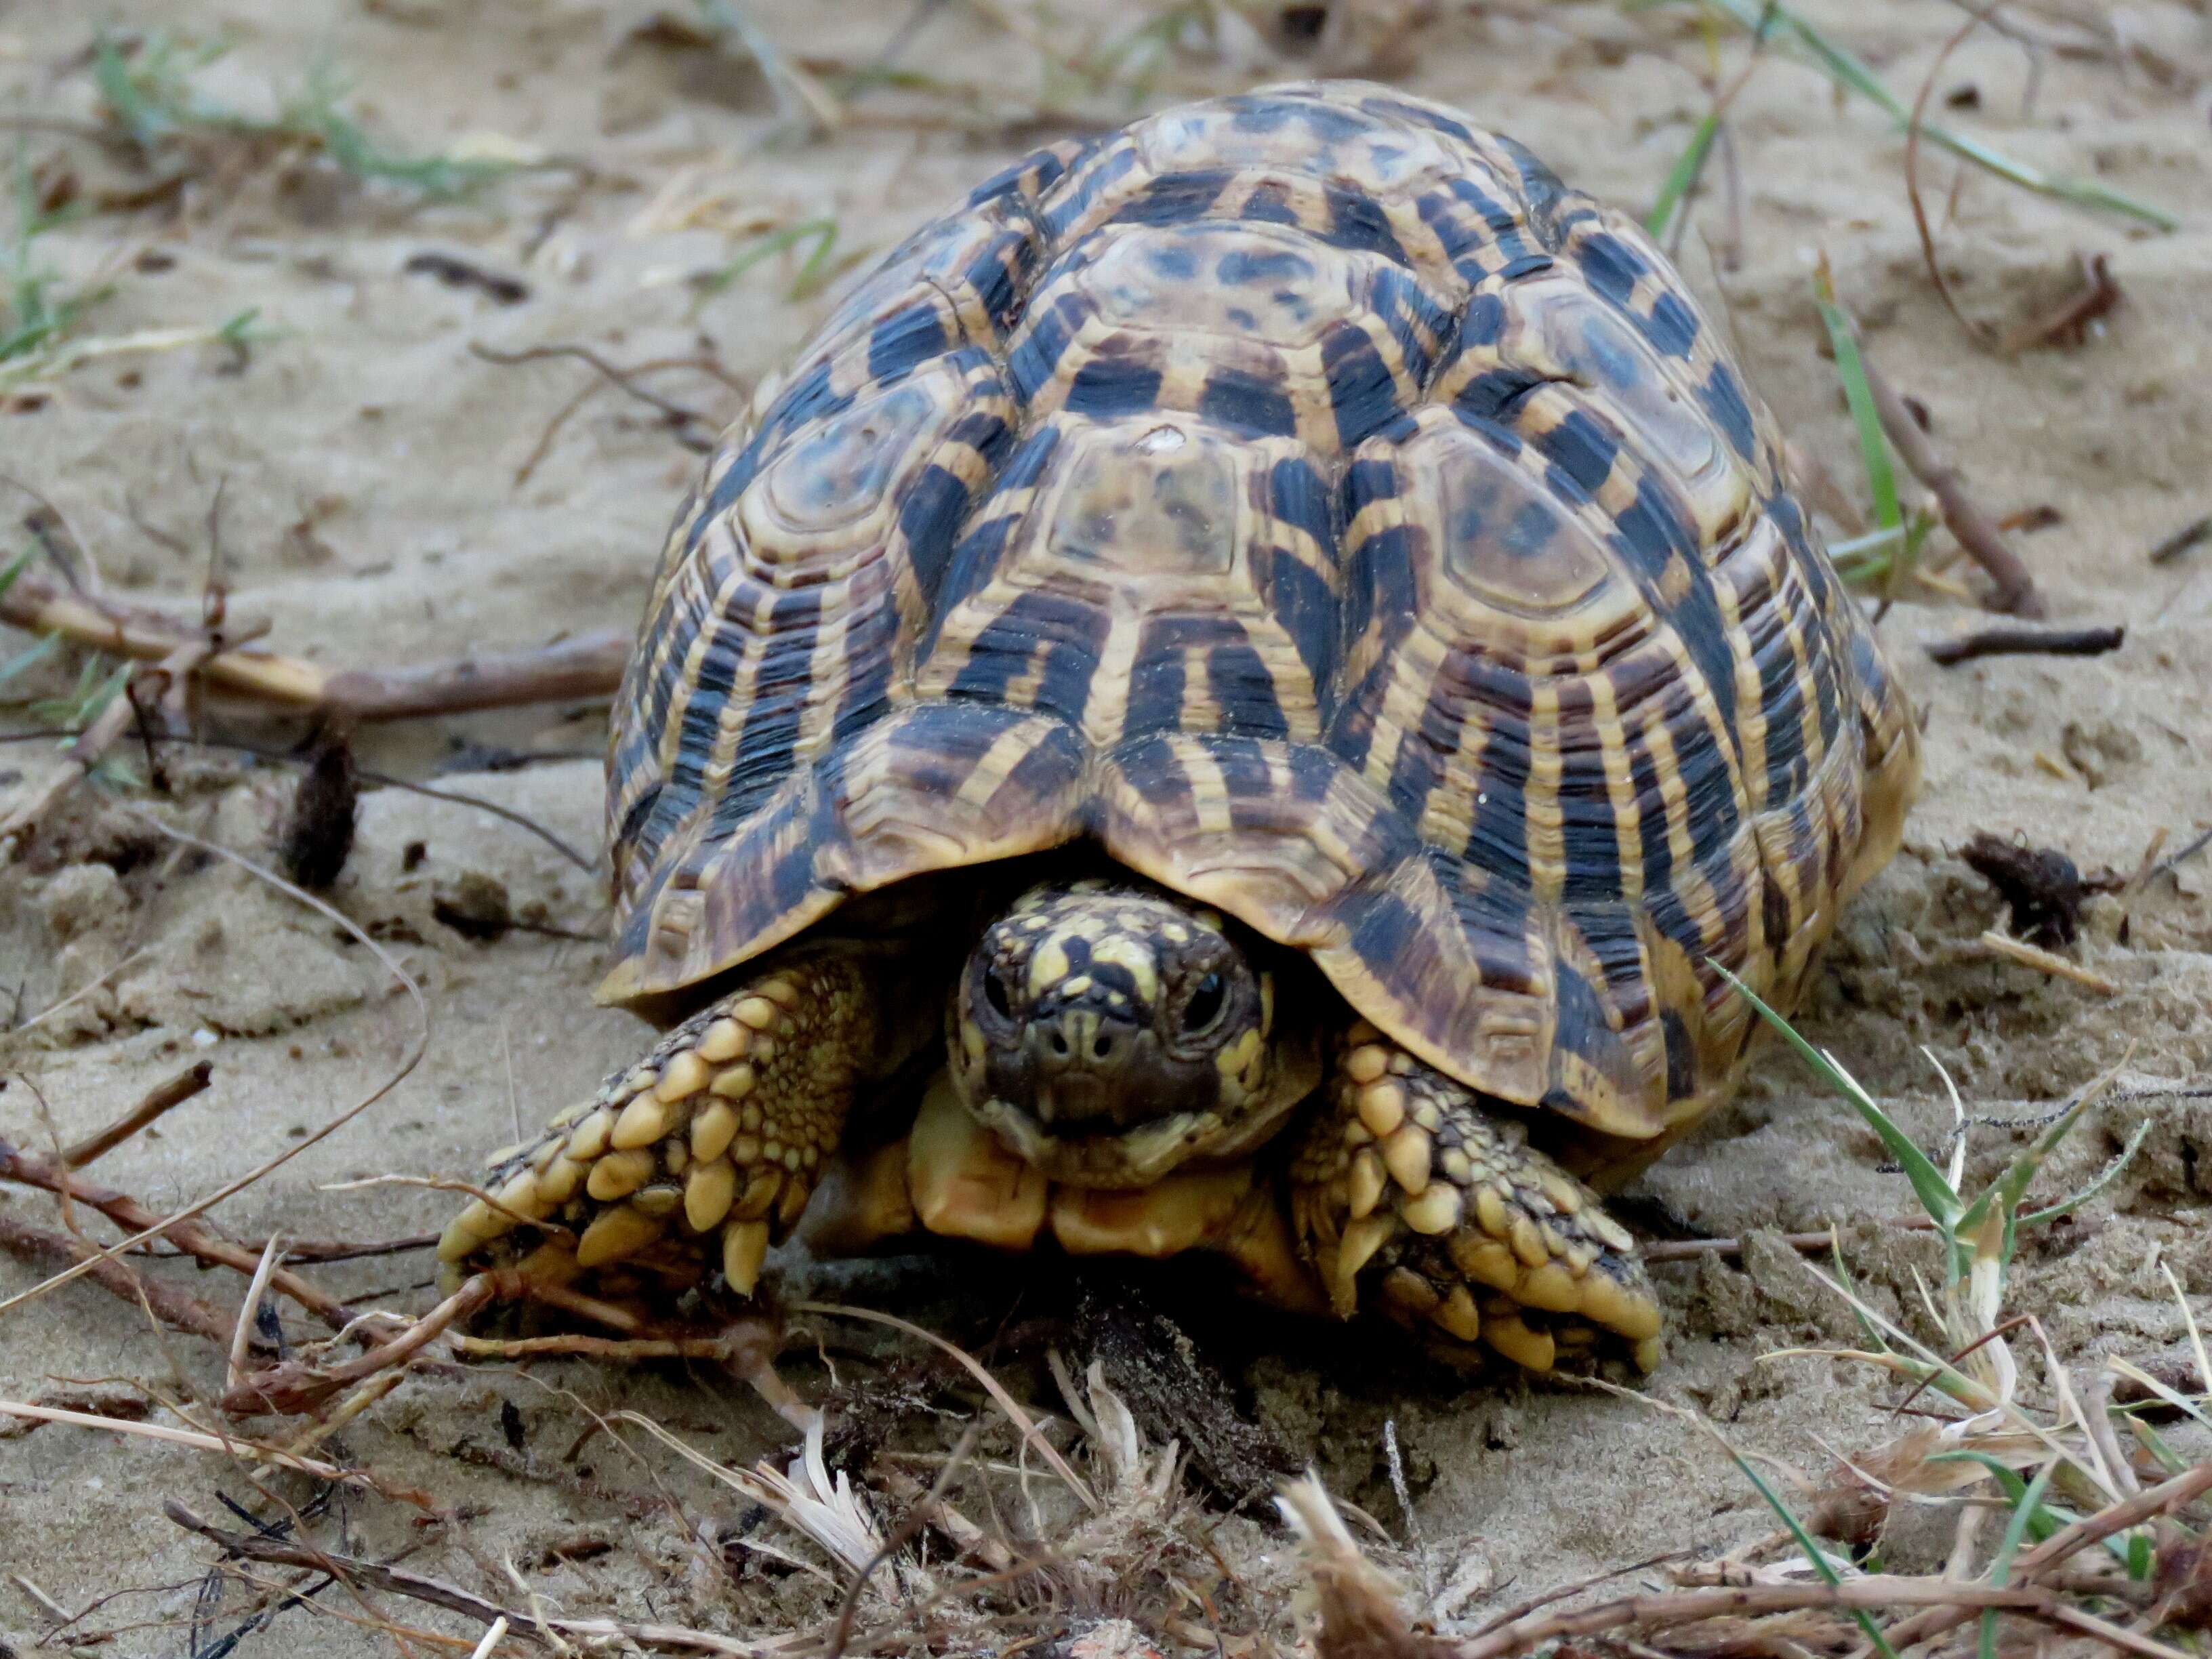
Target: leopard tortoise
1292	616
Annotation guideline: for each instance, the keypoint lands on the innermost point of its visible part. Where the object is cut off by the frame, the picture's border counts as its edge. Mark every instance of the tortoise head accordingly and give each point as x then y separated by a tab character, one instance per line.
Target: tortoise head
1108	1033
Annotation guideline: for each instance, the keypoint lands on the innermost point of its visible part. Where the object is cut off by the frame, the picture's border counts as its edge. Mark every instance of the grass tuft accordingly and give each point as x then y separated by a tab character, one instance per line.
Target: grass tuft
1851	73
151	95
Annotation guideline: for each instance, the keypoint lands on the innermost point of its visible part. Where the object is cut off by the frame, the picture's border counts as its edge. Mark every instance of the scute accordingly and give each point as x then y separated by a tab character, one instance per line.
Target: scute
836	474
1505	541
1160	504
1312	502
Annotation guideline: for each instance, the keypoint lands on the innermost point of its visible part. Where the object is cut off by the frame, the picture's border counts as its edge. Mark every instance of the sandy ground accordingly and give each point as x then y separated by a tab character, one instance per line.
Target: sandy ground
372	512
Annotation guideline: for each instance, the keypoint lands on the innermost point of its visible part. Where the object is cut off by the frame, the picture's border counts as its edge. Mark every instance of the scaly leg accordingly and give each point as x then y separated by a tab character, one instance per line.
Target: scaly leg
1407	1191
715	1138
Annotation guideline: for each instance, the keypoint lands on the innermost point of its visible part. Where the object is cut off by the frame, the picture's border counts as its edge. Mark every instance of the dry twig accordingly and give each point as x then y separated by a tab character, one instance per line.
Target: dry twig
162	1098
546	1630
179	1309
31	1169
90	746
2027	642
586	667
2068	322
2015	592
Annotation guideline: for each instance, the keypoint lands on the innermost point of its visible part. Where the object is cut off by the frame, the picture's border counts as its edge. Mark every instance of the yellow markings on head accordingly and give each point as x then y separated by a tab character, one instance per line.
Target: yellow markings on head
1048	967
1077	986
1138	958
1266	1004
1175	933
1241	1061
971	1042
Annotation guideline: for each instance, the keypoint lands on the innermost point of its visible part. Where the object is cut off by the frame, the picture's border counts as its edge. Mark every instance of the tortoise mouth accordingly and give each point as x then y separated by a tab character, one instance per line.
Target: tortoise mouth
1095	1152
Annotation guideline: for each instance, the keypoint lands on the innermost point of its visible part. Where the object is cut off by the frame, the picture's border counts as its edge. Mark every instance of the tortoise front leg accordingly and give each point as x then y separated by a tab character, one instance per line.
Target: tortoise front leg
709	1145
1408	1192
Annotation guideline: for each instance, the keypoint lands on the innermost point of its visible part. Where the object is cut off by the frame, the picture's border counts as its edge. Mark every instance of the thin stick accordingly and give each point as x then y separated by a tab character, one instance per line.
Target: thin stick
90	746
161	1099
2015	592
339	1249
31	1169
2181	541
295	1386
1980	333
277	1551
2045	962
1523	1609
2028	641
246	1450
2068	322
586	667
909	1527
1692	1250
2067	1540
179	1309
1873	1593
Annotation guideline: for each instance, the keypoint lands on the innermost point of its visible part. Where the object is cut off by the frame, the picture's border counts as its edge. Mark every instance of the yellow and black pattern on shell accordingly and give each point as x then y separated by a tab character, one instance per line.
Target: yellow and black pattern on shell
1309	500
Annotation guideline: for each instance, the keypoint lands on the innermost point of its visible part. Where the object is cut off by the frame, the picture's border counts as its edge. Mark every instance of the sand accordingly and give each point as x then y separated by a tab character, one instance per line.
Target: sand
371	512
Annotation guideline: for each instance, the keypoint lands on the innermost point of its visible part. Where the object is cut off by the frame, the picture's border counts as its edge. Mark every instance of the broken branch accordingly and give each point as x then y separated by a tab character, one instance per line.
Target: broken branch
2015	592
2027	642
33	1170
160	1099
586	666
179	1309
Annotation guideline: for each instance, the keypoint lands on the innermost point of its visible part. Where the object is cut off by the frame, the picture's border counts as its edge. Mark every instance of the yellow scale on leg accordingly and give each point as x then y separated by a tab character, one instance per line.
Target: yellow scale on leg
720	1131
1455	1220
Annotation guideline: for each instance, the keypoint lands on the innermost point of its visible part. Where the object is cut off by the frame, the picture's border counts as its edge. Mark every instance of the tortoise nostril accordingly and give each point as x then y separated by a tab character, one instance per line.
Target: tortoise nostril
1102	1047
1059	1042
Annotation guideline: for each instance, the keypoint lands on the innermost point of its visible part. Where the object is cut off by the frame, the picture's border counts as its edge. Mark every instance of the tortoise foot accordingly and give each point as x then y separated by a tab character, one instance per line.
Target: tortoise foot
695	1158
1411	1194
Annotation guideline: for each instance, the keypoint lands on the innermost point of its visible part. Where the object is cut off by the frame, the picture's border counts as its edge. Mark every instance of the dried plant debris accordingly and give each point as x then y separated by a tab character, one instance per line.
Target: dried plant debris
318	832
1176	1394
2042	888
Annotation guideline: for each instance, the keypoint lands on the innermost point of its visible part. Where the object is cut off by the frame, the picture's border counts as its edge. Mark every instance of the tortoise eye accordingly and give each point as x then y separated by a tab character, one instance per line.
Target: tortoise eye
1203	1011
994	993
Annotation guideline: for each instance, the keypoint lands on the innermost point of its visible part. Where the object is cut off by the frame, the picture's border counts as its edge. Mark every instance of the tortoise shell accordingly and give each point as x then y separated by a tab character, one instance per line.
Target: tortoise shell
1307	499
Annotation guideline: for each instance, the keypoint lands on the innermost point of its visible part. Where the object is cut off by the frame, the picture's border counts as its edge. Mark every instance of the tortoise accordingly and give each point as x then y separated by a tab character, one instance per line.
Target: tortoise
1245	694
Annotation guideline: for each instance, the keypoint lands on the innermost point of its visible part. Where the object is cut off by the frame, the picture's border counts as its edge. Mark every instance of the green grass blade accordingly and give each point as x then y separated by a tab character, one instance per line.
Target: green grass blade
1928	1186
1848	71
1687	167
1881	477
2105	1178
23	661
2000	1564
824	232
16	568
2049	1519
1813	1552
90	705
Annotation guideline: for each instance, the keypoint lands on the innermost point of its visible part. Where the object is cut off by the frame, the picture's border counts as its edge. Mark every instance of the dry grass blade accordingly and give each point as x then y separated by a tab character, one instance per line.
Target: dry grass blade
1362	1613
229	1445
607	1634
